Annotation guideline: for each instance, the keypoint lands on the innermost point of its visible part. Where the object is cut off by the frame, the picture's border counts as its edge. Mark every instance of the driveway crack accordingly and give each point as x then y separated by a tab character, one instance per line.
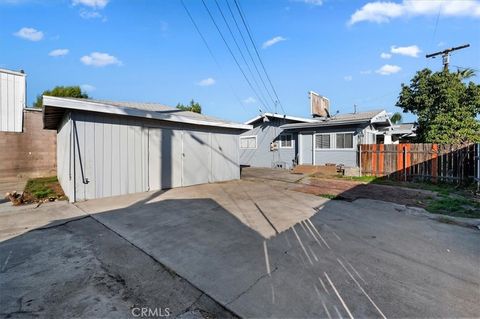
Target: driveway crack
251	286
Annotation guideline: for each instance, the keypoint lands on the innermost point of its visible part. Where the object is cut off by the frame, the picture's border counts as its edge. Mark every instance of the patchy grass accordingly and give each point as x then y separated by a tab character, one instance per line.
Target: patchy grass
38	189
447	199
454	205
332	196
365	178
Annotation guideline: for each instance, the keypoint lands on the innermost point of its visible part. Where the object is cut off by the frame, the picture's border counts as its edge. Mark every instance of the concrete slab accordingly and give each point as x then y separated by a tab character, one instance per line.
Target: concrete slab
265	251
17	220
81	269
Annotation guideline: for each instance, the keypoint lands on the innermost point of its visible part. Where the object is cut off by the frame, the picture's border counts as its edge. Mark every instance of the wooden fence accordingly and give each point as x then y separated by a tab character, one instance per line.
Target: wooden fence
424	162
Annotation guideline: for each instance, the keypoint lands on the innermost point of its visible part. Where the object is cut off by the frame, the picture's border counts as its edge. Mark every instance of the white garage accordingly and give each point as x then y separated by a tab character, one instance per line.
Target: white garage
107	148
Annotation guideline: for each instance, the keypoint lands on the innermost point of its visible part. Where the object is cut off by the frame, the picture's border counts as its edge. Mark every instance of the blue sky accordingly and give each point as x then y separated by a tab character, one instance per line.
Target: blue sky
353	52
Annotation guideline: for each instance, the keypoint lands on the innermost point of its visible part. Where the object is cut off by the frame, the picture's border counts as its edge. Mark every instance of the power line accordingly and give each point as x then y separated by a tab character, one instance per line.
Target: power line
233	55
248	50
256	51
241	54
211	54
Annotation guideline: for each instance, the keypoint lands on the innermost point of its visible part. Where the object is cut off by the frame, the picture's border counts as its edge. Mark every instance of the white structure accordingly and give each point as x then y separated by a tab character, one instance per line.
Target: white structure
12	100
107	148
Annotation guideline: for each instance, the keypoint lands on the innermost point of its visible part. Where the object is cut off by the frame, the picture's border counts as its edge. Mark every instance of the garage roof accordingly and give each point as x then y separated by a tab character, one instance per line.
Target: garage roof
54	108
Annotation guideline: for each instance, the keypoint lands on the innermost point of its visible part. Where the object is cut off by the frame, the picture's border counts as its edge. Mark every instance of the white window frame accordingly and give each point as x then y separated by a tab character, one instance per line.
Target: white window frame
291	140
315	142
346	149
247	148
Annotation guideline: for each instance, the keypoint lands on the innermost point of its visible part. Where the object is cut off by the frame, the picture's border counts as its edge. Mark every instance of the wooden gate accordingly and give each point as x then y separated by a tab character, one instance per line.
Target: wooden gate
422	161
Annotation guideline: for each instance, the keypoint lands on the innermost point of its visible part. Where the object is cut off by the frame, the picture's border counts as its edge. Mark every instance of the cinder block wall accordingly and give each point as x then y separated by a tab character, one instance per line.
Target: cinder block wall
31	153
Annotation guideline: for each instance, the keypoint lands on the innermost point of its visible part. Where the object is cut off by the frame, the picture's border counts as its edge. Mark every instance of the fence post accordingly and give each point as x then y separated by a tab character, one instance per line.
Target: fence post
399	161
404	164
360	159
434	162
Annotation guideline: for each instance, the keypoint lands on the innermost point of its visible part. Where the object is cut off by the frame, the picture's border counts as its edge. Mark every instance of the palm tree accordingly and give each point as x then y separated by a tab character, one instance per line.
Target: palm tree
396	118
466	73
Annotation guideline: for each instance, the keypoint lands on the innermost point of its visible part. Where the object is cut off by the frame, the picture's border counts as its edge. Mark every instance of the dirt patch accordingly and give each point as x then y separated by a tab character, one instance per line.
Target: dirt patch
351	190
43	189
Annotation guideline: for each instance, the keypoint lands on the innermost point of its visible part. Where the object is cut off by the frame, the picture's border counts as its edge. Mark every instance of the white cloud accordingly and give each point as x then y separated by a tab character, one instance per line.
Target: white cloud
348	77
29	34
388	69
86	14
206	82
313	2
87	87
273	41
411	50
95	4
384	55
249	100
99	59
59	52
384	11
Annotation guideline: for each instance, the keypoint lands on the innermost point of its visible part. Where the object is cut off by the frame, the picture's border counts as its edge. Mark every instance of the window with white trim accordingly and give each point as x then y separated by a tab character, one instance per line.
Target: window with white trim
322	141
344	140
248	142
286	141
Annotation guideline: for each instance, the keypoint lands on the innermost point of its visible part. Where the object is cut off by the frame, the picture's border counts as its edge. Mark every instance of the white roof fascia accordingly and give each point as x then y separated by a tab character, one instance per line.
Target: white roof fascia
83	105
279	116
12	72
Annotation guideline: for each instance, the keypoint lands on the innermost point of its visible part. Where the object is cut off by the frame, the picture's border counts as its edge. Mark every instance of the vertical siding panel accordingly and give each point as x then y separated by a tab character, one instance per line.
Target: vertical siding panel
107	157
123	157
11	102
115	163
98	147
3	102
63	156
131	159
138	158
89	157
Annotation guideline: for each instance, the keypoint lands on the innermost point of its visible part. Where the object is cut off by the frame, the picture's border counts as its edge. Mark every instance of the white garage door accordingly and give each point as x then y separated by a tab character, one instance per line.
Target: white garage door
196	158
164	158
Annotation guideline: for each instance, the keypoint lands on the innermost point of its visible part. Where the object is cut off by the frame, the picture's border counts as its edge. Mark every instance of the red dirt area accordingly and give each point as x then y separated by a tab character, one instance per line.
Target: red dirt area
351	190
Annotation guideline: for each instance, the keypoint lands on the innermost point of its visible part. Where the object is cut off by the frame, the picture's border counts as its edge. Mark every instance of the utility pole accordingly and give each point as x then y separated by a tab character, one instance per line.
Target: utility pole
446	55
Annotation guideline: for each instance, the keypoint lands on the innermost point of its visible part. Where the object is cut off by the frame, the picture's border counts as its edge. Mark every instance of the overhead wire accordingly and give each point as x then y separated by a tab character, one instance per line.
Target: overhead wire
241	54
242	15
248	50
204	40
233	55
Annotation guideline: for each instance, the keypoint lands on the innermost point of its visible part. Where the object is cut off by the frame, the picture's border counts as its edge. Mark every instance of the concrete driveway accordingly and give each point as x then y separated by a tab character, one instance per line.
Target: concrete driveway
262	250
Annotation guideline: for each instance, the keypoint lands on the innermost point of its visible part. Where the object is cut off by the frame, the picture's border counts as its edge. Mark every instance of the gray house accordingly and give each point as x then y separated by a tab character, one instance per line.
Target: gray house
107	148
266	145
280	141
335	139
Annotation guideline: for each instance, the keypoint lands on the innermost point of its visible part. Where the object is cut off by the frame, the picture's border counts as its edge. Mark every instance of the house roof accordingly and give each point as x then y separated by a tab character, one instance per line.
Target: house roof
402	129
374	116
279	116
54	109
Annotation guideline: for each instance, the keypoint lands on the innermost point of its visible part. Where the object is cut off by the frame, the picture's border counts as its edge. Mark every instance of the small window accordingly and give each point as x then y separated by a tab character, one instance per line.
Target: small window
286	141
344	140
322	141
248	142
